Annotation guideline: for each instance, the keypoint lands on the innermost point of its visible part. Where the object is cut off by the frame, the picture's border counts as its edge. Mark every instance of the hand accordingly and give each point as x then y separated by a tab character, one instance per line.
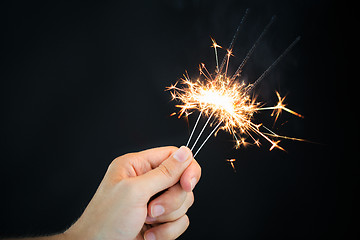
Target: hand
122	207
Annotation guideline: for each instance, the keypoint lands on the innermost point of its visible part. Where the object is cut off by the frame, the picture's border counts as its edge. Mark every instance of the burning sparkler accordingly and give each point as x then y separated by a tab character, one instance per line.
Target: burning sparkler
226	100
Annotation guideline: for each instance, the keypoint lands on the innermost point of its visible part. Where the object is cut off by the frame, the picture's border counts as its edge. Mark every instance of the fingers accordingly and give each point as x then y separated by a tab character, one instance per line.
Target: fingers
169	230
170	205
173	215
191	176
167	174
167	202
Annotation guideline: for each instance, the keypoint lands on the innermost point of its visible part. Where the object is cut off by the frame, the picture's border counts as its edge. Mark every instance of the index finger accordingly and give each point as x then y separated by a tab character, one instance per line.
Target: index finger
138	163
155	156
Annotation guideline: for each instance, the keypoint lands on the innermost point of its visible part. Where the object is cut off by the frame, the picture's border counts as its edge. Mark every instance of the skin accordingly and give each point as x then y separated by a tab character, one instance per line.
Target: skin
143	195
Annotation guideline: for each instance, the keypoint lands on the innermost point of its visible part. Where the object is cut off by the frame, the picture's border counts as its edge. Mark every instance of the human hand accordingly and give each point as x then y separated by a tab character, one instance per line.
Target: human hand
127	205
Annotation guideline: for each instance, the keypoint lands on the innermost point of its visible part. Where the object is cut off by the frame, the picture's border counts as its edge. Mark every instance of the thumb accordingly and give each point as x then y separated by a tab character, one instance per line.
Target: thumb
167	174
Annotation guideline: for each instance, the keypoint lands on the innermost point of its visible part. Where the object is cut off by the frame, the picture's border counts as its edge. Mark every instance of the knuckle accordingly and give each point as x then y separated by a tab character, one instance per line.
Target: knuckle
176	204
117	161
198	167
172	203
186	220
164	169
111	172
191	199
174	231
116	167
112	164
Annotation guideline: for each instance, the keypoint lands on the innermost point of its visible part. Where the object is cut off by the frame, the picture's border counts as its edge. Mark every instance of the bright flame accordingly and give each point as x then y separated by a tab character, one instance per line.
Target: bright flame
228	101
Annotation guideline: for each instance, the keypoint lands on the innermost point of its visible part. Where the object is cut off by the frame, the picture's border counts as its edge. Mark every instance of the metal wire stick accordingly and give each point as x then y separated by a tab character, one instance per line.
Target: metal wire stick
192	132
202	130
212	132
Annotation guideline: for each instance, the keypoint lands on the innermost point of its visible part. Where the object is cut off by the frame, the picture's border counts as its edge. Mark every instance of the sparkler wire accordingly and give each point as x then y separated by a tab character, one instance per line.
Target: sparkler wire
248	55
212	132
202	130
274	63
192	132
234	38
216	57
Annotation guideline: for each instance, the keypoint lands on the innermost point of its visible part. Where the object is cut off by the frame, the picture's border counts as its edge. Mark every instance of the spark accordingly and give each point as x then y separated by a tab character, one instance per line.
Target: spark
226	100
231	161
279	107
275	145
215	45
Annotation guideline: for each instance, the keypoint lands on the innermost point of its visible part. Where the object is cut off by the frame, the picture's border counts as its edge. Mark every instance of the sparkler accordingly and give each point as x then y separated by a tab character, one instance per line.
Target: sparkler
227	102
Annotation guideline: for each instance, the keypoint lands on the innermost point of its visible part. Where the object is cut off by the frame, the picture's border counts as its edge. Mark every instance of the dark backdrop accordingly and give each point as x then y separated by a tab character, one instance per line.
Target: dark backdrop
84	83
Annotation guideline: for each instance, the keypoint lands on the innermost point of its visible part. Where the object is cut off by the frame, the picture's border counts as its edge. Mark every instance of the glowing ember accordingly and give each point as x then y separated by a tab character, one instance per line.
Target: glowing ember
231	161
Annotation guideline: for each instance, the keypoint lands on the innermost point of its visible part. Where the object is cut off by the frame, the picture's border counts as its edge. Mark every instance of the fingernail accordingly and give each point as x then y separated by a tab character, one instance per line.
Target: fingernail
150	219
193	182
157	210
181	154
149	236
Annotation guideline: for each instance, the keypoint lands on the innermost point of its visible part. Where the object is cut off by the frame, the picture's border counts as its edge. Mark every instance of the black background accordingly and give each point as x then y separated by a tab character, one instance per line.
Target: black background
84	83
